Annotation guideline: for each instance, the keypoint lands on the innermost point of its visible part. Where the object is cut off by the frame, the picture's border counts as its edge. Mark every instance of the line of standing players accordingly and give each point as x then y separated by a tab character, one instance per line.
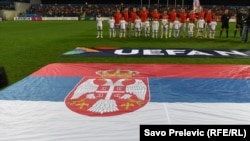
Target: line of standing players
165	24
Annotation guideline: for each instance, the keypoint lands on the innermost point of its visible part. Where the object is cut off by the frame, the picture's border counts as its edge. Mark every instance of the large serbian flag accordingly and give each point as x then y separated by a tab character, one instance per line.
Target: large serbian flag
97	102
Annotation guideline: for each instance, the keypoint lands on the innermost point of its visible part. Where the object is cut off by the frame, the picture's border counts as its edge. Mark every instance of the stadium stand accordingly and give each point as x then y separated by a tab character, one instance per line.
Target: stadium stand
11	8
51	10
84	10
7	5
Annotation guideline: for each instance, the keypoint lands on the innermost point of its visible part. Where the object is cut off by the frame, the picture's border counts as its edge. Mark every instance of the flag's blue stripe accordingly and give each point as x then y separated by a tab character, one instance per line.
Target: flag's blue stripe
40	88
200	90
161	89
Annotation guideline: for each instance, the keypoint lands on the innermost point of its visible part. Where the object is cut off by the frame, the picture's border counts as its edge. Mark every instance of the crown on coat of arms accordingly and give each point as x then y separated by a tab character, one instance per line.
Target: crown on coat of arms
118	73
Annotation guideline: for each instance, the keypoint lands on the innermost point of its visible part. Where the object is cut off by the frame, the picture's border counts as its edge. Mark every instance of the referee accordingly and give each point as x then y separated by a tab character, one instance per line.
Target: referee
239	22
225	22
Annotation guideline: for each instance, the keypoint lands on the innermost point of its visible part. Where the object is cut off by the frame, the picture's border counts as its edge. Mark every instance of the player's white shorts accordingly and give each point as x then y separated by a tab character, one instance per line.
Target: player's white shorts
143	24
99	27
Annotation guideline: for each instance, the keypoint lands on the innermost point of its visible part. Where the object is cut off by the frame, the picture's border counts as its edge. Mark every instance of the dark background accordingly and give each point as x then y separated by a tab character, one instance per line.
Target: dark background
170	2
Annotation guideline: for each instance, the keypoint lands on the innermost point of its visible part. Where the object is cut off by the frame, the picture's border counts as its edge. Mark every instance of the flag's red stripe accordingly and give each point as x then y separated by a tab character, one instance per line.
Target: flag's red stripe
149	70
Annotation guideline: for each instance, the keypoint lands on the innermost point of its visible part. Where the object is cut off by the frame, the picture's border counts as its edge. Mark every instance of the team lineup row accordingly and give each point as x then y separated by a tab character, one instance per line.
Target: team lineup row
156	28
163	25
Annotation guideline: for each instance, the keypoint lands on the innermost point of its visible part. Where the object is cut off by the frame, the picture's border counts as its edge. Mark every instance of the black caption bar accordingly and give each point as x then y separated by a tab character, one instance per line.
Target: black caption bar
195	132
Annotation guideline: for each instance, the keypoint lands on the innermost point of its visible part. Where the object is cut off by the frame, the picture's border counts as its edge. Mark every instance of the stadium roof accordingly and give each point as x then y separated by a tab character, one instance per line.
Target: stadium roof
186	2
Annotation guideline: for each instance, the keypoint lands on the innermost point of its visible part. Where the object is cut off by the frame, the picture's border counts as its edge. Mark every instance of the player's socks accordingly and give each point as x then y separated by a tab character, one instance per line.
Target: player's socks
220	33
235	32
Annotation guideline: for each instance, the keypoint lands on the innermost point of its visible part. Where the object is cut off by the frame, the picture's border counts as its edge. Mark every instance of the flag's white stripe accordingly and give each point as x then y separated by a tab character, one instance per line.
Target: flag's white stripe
50	121
209	113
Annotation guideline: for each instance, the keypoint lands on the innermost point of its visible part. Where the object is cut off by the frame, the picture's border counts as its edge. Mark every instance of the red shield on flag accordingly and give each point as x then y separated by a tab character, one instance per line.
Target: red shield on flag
110	93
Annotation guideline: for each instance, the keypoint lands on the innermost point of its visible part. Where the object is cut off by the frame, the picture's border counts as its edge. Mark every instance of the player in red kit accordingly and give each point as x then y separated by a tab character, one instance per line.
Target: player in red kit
199	15
191	23
155	14
125	14
208	19
183	19
192	16
165	14
172	19
117	17
164	24
133	15
144	17
144	14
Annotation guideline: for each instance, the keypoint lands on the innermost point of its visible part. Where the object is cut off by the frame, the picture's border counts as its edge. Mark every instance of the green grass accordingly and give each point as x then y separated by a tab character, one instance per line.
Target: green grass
26	46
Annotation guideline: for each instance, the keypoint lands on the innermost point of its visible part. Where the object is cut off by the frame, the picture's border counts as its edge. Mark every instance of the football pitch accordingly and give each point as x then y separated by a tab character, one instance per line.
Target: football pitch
27	46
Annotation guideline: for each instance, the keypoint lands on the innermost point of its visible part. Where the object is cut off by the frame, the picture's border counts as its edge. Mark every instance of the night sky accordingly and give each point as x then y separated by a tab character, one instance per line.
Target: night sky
170	2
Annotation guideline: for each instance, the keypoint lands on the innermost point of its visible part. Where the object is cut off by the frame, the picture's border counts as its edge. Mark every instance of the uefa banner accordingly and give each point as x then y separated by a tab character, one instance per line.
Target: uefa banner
156	52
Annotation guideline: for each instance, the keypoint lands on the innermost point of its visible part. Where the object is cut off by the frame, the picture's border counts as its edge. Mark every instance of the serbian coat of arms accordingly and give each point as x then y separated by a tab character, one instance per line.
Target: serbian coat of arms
109	93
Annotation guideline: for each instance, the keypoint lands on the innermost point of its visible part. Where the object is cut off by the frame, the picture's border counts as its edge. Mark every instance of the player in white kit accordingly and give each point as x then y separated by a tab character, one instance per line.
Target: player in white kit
176	26
155	28
147	28
111	23
138	24
99	20
201	27
123	27
164	27
212	27
191	27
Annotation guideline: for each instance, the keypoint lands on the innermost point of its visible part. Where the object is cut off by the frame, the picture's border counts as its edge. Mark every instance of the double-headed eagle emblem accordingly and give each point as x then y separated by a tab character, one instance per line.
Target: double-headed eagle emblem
113	96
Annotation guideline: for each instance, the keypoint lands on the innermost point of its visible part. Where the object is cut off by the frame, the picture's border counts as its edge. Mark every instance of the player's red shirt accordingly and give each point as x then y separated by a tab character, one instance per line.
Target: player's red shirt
126	16
117	17
133	16
155	15
191	17
208	17
165	16
200	14
144	15
183	17
172	16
